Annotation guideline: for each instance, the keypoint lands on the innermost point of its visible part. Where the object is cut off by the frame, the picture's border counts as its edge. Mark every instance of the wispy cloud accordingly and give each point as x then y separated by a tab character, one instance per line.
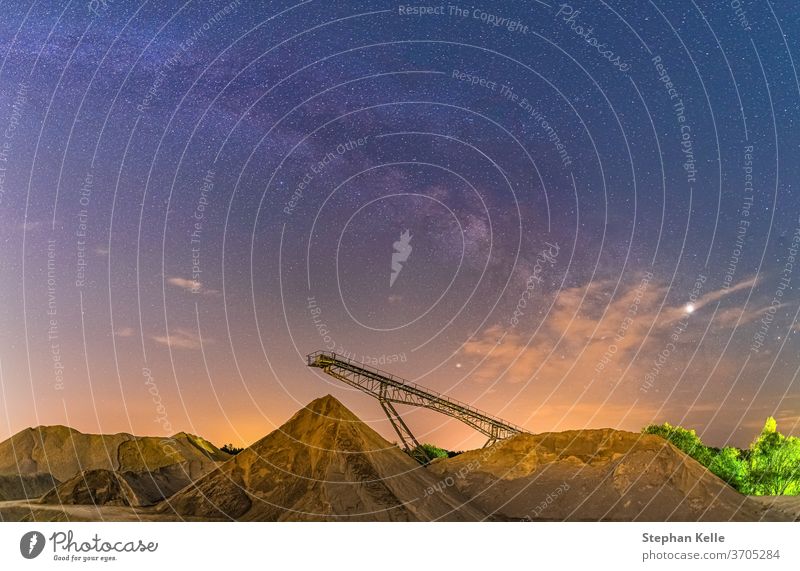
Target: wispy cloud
713	296
625	356
185	284
182	338
739	316
193	286
590	335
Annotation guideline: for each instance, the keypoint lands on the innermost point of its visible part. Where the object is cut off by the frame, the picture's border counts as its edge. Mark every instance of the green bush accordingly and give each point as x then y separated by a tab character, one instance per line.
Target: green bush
231	449
730	466
774	463
683	439
427	452
434	451
770	467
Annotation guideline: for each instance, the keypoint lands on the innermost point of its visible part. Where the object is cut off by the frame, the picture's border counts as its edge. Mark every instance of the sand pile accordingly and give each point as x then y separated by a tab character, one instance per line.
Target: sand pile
789	505
107	487
22	486
157	466
323	464
94	487
593	475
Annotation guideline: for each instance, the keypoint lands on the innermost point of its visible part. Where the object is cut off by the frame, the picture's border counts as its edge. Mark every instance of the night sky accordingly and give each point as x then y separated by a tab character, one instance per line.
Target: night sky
575	215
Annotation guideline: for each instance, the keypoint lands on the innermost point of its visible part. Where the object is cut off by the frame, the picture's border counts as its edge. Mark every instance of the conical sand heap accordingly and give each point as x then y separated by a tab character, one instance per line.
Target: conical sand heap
323	464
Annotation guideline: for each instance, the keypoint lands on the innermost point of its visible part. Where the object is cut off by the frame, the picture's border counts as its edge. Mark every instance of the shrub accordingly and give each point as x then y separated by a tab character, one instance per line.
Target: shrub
729	465
774	463
771	466
425	453
683	439
231	449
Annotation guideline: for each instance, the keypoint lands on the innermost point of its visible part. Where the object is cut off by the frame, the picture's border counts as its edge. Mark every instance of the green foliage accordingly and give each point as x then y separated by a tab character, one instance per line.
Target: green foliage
683	439
729	465
425	453
434	451
774	463
770	467
231	449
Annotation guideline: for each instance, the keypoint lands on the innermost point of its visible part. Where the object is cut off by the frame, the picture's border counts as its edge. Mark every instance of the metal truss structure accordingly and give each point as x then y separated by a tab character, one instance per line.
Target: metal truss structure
390	390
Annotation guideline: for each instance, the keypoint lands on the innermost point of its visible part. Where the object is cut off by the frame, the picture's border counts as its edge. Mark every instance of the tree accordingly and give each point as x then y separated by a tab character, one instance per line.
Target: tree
774	463
683	439
728	465
231	449
770	467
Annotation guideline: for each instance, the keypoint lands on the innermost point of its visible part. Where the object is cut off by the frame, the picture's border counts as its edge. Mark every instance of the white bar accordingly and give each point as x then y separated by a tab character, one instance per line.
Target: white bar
409	546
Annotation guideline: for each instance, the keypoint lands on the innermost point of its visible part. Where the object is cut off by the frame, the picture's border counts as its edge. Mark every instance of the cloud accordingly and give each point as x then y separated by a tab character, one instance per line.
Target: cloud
182	338
590	339
739	316
624	355
674	314
583	322
124	332
185	284
193	286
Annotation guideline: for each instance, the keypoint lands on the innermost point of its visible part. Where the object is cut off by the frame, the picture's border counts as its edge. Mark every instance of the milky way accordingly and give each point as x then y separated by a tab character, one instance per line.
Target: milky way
570	215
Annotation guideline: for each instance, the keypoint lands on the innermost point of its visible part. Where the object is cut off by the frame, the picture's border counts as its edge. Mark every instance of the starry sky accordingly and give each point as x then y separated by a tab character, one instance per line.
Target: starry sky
570	215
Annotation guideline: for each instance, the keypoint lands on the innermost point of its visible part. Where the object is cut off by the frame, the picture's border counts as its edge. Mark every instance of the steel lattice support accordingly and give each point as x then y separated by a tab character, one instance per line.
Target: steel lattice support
389	389
410	443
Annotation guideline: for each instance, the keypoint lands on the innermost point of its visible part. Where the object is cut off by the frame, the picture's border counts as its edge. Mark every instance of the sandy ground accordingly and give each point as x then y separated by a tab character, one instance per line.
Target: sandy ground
595	475
790	505
325	464
22	510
